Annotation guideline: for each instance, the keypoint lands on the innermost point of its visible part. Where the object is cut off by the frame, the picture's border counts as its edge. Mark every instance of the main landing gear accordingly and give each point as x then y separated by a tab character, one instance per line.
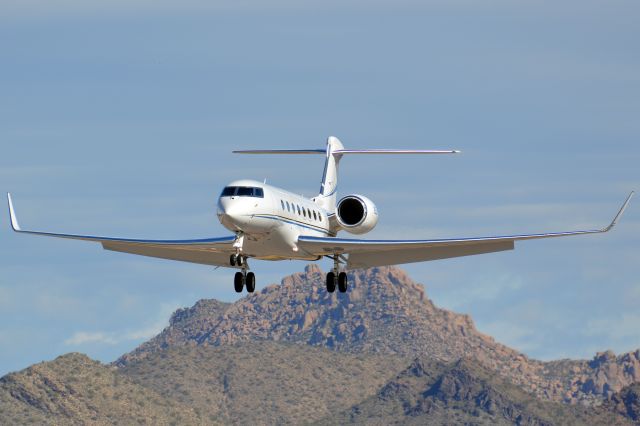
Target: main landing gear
336	278
244	278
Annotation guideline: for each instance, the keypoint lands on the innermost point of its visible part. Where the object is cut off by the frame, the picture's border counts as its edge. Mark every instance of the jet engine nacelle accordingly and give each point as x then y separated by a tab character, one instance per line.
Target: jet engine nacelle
356	214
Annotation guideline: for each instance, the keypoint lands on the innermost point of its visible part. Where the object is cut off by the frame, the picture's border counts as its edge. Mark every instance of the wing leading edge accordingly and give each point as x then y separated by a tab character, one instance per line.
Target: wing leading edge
368	253
207	251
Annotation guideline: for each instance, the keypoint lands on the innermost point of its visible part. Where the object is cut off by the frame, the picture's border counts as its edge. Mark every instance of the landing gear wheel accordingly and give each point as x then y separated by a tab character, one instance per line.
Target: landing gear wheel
240	260
251	282
232	260
331	282
238	282
342	282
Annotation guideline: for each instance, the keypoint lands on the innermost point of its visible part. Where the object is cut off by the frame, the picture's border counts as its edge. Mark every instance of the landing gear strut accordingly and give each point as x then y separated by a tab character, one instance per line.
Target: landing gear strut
335	277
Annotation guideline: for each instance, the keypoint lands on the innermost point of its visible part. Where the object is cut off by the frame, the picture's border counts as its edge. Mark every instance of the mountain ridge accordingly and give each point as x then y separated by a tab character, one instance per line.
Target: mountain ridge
385	311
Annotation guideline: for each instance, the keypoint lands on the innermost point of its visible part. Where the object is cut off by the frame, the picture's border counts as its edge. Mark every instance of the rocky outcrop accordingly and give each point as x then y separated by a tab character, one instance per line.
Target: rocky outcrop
627	402
384	311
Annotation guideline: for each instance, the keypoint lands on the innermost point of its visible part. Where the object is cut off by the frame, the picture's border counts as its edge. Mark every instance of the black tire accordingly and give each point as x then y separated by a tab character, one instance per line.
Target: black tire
251	282
331	282
232	260
239	260
342	282
238	282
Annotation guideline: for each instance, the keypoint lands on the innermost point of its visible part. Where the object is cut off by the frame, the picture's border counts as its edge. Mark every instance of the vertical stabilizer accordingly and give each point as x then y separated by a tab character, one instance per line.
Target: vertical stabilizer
329	184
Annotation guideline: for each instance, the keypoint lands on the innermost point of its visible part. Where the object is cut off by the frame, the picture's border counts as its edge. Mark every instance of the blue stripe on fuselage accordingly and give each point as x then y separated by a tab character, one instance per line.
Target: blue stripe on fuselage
293	222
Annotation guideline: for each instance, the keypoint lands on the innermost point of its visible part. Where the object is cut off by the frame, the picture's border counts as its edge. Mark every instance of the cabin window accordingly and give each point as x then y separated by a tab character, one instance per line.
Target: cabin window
298	207
282	204
314	215
288	209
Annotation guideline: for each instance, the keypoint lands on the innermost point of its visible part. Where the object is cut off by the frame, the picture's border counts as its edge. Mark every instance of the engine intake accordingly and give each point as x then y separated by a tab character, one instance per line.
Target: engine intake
356	214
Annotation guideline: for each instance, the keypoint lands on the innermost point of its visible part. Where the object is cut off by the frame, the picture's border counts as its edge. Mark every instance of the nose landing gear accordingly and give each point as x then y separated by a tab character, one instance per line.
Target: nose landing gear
236	260
336	277
242	278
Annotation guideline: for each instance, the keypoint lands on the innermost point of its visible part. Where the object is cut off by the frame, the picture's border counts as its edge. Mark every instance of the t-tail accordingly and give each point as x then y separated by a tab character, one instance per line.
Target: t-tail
334	152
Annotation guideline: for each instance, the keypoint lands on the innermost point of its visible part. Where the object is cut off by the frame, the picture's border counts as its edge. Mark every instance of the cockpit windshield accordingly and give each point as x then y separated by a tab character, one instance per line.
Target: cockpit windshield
242	191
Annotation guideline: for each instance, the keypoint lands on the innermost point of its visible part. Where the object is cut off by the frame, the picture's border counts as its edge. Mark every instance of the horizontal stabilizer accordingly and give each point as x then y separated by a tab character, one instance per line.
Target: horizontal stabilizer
281	151
346	151
396	151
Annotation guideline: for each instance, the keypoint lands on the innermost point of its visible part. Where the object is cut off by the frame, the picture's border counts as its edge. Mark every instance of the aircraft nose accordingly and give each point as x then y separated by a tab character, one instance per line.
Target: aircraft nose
229	212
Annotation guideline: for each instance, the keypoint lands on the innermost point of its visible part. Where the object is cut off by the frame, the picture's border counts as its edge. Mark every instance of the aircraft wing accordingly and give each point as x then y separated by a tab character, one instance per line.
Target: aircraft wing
368	253
207	251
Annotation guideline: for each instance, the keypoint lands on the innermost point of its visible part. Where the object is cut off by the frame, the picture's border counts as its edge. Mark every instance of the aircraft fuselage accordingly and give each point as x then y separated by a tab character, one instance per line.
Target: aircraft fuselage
271	219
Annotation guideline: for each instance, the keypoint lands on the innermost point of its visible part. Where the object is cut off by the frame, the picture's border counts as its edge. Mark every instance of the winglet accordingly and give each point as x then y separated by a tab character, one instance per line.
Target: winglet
12	215
622	209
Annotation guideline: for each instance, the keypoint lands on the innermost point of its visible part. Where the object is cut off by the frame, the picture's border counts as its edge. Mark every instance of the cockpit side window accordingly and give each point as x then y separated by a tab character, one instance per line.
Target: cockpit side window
229	191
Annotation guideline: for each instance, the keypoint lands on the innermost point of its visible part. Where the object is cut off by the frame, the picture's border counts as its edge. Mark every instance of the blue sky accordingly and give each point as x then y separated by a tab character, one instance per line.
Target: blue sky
118	118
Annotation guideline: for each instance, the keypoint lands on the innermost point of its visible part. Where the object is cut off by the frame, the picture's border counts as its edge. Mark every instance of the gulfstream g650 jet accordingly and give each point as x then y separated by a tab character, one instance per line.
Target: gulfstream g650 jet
270	223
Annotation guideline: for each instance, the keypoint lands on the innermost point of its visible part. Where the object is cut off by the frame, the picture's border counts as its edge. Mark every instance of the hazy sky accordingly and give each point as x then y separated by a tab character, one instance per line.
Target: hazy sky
119	118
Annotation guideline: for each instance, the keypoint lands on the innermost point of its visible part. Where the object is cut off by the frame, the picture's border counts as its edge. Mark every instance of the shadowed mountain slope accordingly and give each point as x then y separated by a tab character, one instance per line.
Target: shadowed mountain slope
463	393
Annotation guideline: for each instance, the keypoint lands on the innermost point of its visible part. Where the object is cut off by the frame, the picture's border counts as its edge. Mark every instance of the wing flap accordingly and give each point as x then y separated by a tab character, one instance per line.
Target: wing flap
411	255
194	254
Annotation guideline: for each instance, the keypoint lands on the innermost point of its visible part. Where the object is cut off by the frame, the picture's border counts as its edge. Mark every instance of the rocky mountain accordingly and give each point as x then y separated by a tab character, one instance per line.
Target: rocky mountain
386	312
74	389
462	393
267	382
382	353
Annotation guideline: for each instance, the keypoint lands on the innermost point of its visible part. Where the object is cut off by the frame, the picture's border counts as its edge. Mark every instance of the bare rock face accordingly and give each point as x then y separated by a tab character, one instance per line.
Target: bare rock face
611	373
384	311
627	402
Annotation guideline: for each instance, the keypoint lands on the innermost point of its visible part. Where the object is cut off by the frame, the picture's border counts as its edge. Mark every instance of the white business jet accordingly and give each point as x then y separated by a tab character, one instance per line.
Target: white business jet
270	223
